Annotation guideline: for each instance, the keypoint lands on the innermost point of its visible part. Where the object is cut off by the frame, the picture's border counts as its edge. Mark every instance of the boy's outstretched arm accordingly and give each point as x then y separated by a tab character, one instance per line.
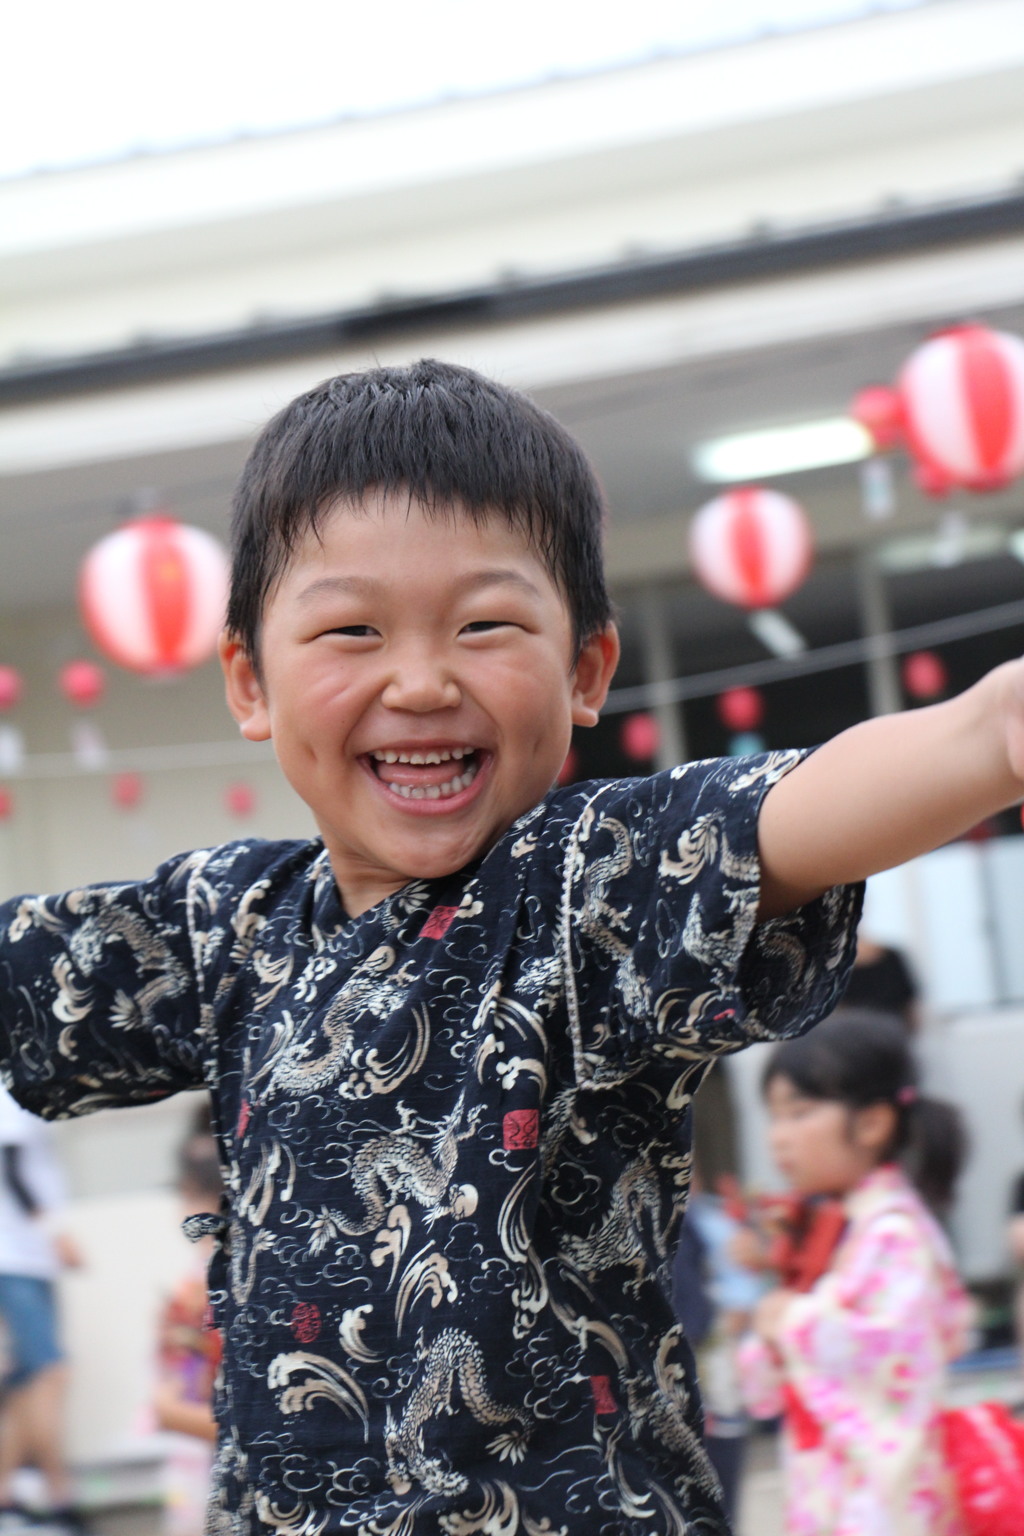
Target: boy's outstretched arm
892	788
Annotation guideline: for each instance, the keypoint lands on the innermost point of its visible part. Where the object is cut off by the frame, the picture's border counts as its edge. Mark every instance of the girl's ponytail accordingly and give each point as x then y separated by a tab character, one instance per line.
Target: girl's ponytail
858	1057
934	1150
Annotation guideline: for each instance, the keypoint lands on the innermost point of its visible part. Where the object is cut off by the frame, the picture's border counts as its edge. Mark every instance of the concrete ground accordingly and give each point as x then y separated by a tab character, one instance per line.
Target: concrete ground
761	1497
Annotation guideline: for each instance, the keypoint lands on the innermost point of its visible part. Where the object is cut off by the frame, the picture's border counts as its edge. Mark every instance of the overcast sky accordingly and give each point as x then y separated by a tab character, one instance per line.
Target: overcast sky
87	81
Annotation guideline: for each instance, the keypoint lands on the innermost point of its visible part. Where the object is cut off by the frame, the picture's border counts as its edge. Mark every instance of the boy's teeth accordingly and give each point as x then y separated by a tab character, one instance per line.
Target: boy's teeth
436	791
435	755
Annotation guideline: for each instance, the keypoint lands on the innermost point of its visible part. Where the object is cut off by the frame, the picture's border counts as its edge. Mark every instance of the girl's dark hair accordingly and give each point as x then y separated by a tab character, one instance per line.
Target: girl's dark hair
857	1058
437	433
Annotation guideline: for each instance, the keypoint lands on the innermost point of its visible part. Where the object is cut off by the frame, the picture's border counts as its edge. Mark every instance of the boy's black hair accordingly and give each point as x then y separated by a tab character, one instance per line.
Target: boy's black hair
857	1057
438	433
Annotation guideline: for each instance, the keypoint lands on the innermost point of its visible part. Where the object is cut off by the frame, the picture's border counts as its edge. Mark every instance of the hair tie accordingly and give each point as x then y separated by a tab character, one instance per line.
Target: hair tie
907	1096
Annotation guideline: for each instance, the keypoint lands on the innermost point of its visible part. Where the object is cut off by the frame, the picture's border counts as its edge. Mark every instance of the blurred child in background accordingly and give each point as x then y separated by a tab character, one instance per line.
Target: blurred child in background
882	981
856	1359
190	1351
34	1384
714	1296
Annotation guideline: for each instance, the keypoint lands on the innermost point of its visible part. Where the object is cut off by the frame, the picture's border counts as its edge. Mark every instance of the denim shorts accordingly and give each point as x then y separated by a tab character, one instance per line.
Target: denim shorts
28	1309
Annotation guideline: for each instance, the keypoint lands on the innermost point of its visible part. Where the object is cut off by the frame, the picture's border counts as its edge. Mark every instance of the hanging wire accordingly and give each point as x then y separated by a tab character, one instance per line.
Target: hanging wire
827	658
200	754
216	754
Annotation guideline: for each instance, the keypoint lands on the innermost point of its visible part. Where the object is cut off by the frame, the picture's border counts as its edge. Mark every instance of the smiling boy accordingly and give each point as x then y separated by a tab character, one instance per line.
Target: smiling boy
452	1041
415	670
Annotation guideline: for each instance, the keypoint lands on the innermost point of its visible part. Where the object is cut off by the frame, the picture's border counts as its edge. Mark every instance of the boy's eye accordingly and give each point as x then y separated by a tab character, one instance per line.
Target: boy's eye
481	626
357	631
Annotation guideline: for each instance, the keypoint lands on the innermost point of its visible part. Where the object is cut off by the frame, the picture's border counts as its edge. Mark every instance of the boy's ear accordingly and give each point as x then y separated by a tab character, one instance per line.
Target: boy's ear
593	675
243	689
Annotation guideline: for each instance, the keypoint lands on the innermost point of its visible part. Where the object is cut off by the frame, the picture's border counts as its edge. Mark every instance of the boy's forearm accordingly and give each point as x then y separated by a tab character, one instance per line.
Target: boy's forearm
892	788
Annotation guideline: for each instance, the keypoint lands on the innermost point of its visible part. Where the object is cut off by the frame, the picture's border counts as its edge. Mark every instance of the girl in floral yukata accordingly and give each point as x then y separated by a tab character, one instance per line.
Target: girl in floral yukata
857	1361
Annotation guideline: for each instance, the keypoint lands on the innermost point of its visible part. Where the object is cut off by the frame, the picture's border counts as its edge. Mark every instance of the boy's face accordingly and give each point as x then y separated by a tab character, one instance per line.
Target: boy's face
418	688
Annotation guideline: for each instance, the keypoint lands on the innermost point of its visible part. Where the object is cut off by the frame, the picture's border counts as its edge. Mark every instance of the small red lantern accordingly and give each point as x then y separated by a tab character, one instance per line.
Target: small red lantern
879	410
12	742
925	675
6	805
740	709
569	769
153	595
751	547
82	683
240	799
126	790
640	737
11	687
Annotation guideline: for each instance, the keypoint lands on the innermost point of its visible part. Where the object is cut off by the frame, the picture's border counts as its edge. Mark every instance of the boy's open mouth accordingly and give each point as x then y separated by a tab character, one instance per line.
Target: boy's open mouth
429	773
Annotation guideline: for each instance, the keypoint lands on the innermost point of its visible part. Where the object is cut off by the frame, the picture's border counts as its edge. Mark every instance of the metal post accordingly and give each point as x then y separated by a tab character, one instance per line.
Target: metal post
659	667
876	621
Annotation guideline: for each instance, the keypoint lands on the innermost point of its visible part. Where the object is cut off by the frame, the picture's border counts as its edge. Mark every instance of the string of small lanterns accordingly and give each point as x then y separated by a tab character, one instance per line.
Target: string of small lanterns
152	597
957	409
152	594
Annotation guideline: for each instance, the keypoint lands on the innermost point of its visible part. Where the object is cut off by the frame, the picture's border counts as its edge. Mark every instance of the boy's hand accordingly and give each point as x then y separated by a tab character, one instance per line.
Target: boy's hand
892	788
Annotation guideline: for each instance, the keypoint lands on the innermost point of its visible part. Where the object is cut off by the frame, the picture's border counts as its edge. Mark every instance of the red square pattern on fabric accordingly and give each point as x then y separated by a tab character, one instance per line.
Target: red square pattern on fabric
438	923
521	1129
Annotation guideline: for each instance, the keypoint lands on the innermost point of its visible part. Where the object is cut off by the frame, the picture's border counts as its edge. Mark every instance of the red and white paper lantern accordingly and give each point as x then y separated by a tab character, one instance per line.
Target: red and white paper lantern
153	595
963	408
751	547
958	406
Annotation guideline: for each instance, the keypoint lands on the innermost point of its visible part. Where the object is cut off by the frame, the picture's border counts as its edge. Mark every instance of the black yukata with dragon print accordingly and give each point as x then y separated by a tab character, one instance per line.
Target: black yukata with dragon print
453	1132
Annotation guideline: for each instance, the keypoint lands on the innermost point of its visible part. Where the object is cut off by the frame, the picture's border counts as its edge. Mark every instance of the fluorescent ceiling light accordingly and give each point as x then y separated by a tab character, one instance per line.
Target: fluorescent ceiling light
782	450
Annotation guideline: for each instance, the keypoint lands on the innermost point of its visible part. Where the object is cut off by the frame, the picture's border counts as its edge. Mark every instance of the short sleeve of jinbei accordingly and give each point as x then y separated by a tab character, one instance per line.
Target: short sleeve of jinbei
103	990
663	951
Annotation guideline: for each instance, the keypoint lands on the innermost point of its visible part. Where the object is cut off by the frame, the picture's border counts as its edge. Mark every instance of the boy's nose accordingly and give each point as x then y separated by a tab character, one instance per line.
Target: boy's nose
421	684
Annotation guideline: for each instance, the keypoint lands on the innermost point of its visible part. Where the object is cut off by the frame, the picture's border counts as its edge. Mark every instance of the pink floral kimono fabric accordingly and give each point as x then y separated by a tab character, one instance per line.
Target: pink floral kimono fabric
866	1351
